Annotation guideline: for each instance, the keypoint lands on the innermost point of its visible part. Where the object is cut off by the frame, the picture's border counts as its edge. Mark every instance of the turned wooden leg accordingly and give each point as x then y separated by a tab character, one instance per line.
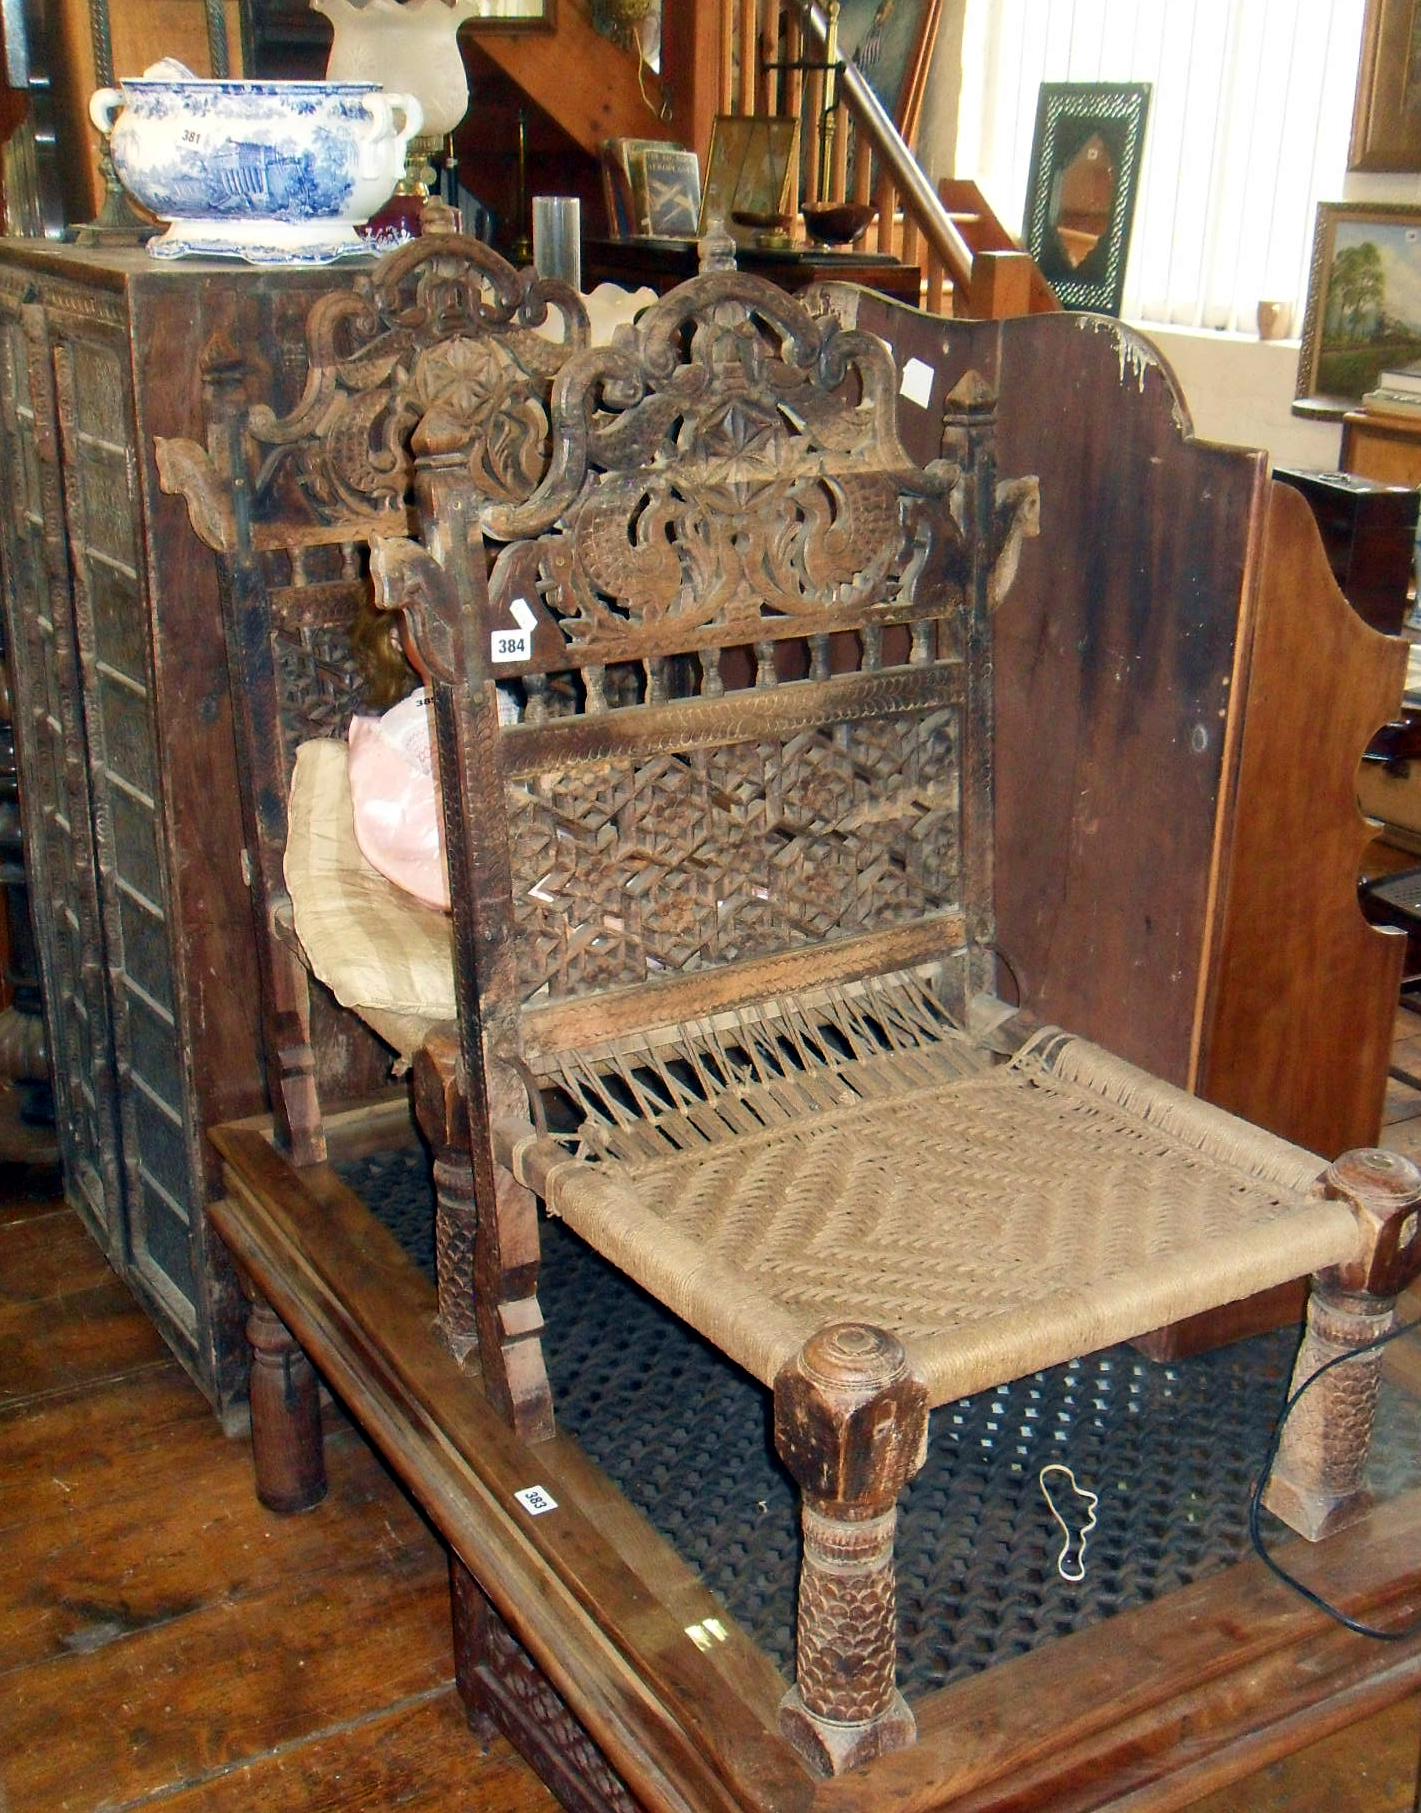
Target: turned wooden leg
287	1454
851	1425
1316	1483
443	1118
470	1610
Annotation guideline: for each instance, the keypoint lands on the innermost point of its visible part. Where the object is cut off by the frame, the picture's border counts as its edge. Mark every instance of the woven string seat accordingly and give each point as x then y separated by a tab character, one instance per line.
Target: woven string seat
988	1194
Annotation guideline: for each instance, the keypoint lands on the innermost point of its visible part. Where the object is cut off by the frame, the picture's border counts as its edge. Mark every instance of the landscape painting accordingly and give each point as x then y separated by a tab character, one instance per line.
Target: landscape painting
1364	300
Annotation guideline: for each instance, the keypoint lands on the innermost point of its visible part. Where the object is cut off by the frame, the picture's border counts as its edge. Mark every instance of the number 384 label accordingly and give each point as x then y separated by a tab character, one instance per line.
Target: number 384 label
512	645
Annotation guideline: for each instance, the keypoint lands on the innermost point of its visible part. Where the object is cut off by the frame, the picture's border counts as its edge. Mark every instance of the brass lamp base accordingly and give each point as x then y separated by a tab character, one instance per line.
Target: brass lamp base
118	222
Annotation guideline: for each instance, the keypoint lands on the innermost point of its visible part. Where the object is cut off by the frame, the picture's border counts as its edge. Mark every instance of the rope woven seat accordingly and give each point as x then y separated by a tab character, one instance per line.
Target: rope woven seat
989	1201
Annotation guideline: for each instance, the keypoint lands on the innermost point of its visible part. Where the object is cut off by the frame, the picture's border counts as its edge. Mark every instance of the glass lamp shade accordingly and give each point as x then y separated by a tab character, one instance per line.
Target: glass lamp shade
407	45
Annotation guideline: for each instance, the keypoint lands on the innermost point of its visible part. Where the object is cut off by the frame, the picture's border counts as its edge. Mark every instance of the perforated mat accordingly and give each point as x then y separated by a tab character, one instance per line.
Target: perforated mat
1171	1451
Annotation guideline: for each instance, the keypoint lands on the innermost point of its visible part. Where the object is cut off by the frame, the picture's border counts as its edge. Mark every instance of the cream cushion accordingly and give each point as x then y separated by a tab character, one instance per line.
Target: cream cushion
379	950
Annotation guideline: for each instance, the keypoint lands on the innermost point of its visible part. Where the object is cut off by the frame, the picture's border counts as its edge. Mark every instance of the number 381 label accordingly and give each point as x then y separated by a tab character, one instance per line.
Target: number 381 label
512	645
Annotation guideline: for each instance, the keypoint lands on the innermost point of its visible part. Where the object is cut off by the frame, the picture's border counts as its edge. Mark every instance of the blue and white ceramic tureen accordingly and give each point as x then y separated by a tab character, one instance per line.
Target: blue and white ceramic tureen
273	172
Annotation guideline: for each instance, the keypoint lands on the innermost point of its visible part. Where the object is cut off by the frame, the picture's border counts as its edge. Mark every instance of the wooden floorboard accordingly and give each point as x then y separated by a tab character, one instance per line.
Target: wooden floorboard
164	1641
84	1338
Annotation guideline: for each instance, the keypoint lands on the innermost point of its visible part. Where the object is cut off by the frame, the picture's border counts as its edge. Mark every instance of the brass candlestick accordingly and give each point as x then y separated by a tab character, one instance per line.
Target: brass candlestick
118	222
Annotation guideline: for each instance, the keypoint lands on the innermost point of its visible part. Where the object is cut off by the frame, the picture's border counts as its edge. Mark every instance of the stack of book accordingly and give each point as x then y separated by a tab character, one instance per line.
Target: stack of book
651	189
1397	393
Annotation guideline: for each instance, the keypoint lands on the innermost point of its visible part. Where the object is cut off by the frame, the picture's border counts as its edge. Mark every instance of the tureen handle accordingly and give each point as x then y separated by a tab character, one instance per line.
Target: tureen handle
104	104
382	109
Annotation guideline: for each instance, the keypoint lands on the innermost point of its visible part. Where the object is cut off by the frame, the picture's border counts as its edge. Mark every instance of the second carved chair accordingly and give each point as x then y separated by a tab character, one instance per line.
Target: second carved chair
438	351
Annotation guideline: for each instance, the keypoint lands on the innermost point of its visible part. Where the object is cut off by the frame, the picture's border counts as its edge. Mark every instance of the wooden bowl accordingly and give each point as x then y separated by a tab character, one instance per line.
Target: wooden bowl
838	223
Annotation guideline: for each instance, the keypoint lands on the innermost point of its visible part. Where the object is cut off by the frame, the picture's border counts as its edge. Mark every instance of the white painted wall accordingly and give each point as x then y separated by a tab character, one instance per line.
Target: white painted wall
1240	391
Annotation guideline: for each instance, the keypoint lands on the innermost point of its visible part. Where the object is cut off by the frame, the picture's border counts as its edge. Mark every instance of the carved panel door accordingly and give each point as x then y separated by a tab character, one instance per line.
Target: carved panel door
104	516
34	570
128	762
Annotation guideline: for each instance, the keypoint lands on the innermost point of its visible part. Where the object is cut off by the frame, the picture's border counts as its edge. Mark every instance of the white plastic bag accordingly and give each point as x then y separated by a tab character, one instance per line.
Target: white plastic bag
398	821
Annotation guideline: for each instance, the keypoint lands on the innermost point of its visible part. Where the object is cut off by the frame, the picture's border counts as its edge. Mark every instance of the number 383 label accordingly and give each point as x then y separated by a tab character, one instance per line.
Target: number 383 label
512	645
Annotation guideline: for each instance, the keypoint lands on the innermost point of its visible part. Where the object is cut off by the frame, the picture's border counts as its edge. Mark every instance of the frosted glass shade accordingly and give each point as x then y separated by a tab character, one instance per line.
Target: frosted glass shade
404	44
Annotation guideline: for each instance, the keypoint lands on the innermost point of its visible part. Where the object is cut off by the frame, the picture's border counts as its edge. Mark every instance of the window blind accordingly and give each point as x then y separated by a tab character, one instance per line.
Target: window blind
1250	112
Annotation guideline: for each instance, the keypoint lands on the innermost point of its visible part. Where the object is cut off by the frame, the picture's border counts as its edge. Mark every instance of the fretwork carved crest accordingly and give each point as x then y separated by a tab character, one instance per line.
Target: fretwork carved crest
729	470
320	681
437	352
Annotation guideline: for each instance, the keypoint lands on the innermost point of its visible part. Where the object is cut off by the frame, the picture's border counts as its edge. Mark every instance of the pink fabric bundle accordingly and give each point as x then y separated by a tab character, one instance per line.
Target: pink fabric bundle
398	821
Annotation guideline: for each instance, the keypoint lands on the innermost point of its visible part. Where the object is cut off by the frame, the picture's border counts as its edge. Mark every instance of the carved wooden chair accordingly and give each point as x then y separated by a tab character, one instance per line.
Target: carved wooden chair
724	936
442	341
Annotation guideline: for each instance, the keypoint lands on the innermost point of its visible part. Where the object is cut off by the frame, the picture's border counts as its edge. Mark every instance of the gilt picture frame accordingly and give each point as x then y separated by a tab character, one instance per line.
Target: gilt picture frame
1363	311
1386	116
752	170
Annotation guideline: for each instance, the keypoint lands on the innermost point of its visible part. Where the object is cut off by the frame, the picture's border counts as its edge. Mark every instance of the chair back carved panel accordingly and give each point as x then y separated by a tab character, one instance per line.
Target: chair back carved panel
744	635
441	338
629	870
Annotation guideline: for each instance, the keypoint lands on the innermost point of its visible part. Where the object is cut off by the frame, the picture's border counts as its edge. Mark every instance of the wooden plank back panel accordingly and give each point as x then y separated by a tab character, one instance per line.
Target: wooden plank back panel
1321	685
1169	665
1116	663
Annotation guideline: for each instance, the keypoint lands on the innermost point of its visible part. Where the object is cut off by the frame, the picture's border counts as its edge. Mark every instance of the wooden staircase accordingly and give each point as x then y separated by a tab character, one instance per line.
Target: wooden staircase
1003	280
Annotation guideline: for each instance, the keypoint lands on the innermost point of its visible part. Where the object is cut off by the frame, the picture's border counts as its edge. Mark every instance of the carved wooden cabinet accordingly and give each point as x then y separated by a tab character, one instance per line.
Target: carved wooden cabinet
128	766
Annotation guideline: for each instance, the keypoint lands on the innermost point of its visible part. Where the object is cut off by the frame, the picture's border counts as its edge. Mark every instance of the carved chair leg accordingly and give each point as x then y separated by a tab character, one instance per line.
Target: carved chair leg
510	1322
1316	1485
469	1609
287	1454
295	1098
851	1425
443	1119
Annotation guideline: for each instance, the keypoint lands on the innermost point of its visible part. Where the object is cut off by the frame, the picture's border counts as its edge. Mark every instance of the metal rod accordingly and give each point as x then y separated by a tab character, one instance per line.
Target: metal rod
102	40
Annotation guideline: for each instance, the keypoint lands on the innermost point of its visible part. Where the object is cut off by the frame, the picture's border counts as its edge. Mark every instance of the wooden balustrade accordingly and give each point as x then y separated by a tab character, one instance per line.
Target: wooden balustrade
870	154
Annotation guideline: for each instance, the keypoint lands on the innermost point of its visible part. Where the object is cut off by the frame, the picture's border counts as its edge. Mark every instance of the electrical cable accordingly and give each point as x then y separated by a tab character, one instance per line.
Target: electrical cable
1255	1505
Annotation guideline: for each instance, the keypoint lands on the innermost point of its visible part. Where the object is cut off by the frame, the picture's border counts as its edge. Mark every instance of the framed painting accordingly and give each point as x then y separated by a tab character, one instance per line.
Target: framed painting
1386	120
1080	195
752	172
891	42
1364	300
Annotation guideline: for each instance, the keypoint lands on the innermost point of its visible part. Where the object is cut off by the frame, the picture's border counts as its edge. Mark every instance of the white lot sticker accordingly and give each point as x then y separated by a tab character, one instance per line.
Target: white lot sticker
522	614
916	383
511	645
535	1500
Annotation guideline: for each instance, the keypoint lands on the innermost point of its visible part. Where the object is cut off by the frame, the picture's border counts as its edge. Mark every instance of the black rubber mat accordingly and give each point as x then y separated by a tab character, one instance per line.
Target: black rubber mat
1171	1451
